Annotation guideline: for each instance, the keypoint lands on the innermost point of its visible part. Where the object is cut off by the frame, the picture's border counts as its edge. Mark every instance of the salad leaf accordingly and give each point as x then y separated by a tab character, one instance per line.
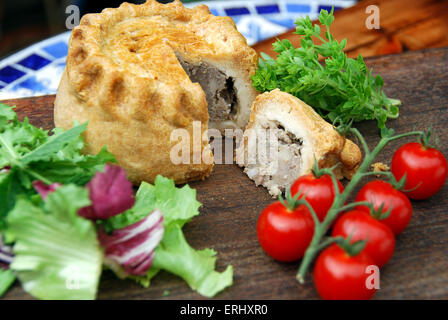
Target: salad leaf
78	170
178	205
174	254
7	114
131	250
6	255
28	153
53	144
342	89
10	187
43	189
57	254
111	193
196	267
7	278
17	137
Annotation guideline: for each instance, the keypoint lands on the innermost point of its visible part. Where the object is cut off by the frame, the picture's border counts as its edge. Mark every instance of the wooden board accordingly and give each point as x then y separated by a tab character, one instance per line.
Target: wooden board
404	25
232	203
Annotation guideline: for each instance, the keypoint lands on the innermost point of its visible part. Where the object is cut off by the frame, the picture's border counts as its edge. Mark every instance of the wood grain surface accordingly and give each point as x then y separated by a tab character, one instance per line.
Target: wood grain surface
404	25
232	203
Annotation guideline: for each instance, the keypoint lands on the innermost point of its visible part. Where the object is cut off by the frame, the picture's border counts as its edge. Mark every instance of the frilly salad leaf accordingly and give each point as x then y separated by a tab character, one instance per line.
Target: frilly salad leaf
174	254
178	205
57	254
196	267
28	153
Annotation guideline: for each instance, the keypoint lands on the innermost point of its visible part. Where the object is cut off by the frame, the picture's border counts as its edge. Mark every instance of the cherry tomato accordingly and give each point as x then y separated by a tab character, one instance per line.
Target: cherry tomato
426	169
362	226
319	192
338	276
379	192
284	234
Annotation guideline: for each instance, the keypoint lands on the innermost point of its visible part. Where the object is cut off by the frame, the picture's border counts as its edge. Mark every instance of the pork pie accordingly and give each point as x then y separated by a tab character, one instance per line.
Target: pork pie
138	72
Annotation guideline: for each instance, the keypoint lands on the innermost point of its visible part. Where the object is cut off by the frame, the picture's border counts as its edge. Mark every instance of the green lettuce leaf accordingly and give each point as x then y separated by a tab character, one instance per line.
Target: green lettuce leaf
174	254
10	186
57	254
196	267
178	205
7	278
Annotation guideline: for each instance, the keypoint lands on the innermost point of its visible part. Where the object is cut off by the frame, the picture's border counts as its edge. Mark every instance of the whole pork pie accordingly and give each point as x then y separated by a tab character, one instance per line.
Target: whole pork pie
138	72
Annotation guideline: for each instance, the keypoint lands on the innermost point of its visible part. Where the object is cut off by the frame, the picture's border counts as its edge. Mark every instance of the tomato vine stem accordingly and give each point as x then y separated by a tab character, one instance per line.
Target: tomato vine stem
318	241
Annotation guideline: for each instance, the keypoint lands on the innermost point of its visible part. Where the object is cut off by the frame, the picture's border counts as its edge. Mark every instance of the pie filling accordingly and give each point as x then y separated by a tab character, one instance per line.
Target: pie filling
279	163
219	89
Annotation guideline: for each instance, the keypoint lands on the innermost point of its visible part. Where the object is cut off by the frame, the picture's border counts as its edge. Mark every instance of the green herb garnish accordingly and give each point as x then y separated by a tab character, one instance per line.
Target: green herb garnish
341	89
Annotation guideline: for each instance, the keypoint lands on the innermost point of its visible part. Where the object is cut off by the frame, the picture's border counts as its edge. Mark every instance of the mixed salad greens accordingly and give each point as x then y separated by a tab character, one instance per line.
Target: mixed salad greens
28	153
341	88
64	215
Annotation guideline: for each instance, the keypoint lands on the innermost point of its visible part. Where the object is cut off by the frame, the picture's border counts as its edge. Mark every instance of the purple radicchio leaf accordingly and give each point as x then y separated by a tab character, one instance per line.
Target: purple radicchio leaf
6	255
133	247
110	192
44	189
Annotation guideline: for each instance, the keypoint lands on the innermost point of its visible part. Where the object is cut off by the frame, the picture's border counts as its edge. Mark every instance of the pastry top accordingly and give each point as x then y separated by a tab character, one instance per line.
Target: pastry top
320	140
126	58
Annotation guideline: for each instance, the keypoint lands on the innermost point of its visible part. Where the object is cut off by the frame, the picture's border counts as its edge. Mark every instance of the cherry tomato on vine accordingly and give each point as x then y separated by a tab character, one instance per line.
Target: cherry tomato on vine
361	225
426	169
339	276
285	233
319	192
379	192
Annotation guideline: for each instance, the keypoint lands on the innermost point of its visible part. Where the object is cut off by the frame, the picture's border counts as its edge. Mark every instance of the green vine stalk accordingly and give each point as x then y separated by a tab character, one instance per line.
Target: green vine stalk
319	240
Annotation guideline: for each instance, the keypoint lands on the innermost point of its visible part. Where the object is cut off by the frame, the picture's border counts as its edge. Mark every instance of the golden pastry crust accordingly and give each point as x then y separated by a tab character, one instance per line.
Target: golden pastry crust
123	76
319	139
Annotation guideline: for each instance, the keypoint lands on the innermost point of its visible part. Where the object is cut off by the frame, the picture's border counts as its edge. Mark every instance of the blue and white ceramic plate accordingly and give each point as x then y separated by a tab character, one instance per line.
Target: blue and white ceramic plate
37	69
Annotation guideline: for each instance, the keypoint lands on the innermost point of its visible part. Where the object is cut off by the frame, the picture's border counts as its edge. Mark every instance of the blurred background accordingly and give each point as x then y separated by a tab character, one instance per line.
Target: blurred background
34	35
23	22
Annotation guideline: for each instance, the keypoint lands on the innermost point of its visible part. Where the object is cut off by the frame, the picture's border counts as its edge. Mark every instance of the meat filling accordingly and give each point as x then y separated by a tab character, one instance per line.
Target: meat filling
219	89
277	172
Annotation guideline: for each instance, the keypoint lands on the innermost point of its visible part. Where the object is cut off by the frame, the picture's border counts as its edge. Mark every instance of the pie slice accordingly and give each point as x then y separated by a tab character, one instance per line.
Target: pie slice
282	139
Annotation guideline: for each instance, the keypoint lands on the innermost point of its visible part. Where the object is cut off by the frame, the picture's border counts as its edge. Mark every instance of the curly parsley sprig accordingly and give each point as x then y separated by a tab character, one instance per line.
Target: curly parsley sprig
342	88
